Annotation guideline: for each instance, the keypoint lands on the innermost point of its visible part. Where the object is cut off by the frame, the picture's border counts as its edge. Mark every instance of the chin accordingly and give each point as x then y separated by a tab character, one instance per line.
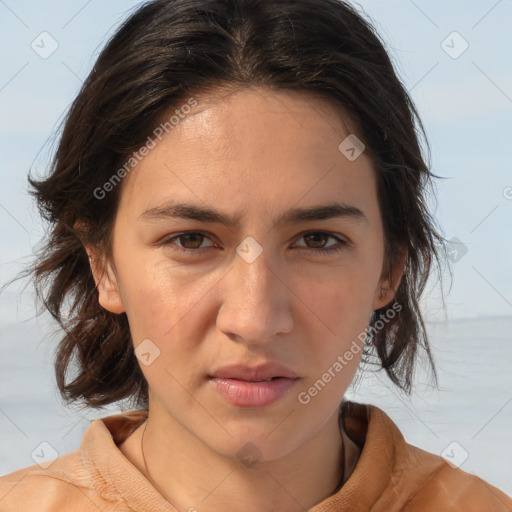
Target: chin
254	445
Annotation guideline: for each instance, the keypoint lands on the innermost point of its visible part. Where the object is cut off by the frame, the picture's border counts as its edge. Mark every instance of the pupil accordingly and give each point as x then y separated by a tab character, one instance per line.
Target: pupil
192	236
317	235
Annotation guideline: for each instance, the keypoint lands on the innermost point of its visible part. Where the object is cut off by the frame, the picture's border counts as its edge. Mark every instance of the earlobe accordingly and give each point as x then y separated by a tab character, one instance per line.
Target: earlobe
383	296
108	293
389	284
109	296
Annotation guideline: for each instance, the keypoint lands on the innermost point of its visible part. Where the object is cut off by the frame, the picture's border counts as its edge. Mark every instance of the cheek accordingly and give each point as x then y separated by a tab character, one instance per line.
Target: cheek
161	297
345	312
165	306
346	291
339	304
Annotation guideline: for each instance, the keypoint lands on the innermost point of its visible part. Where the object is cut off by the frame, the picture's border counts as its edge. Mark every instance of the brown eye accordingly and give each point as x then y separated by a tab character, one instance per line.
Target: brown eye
191	240
316	242
187	242
318	239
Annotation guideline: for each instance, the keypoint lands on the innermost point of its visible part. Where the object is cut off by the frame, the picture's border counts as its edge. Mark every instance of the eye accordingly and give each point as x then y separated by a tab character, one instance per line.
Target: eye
190	241
319	238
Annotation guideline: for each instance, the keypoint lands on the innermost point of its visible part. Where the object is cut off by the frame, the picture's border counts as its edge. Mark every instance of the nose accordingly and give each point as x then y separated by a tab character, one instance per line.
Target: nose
256	302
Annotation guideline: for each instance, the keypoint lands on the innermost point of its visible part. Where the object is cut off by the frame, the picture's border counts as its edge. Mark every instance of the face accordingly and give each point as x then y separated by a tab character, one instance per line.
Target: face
296	290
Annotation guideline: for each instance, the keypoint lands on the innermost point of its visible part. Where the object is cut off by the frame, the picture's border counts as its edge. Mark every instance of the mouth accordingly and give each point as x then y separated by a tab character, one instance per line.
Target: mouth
265	372
253	386
253	394
249	380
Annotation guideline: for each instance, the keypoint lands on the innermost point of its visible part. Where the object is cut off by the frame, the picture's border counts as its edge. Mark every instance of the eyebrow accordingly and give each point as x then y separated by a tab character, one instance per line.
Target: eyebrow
292	216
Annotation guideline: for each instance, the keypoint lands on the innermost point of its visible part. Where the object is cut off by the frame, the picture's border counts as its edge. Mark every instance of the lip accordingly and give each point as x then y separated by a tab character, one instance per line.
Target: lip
245	386
254	373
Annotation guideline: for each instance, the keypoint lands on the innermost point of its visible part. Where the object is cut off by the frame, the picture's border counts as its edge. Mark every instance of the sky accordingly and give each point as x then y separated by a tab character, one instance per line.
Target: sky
453	57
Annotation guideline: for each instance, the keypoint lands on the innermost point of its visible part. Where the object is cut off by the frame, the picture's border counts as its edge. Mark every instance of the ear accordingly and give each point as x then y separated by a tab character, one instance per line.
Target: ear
106	281
390	279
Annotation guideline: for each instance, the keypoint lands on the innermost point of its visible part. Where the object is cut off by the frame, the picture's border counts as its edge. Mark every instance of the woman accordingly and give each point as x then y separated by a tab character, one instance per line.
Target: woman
238	220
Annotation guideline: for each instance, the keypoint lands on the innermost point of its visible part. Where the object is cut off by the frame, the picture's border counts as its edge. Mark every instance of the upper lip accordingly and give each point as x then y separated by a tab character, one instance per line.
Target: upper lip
254	373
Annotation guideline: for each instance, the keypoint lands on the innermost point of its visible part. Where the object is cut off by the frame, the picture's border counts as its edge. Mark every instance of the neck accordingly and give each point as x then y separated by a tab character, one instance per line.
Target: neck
190	476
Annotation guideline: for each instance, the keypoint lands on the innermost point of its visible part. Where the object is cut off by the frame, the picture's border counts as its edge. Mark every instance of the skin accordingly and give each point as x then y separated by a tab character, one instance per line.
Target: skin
255	153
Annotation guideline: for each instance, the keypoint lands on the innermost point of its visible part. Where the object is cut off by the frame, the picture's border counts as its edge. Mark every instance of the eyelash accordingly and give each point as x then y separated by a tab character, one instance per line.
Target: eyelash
323	251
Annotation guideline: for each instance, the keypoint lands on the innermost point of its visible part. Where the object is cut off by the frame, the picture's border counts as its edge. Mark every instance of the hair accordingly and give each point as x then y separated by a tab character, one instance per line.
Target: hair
167	51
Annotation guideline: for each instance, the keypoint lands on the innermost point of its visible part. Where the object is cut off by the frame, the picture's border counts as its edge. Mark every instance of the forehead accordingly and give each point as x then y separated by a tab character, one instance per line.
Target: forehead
225	116
252	146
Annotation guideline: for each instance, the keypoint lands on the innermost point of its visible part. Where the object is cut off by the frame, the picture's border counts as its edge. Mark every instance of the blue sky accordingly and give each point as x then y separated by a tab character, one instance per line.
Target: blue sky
464	102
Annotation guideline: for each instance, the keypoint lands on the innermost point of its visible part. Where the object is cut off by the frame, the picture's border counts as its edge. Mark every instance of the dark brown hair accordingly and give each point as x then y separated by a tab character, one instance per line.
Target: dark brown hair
170	50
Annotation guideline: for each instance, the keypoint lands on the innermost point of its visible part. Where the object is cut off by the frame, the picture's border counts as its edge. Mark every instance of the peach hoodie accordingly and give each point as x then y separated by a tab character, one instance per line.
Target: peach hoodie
390	475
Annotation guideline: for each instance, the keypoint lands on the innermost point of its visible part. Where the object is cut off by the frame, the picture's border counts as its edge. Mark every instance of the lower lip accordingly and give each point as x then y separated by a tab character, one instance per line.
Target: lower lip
252	394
